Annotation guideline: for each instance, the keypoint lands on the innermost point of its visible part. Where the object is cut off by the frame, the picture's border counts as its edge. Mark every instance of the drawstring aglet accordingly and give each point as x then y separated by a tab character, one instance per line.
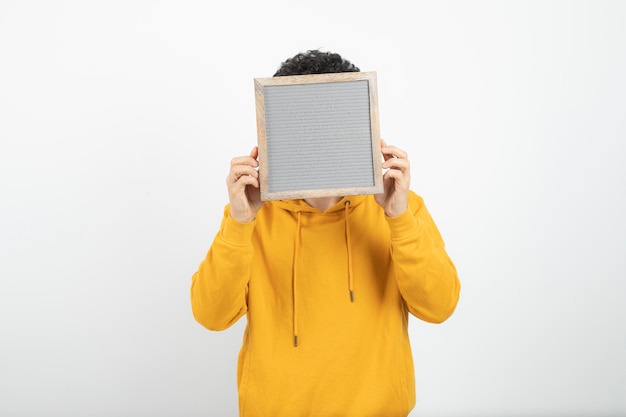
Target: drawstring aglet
295	341
352	296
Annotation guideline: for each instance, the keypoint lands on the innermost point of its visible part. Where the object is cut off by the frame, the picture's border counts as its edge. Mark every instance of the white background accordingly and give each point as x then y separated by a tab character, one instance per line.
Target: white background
118	121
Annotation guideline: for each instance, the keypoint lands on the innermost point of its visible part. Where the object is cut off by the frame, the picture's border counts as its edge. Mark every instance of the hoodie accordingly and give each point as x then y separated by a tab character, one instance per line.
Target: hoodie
326	296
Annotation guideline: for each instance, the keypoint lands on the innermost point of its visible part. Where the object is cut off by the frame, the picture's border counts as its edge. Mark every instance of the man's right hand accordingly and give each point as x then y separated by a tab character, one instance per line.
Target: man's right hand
243	187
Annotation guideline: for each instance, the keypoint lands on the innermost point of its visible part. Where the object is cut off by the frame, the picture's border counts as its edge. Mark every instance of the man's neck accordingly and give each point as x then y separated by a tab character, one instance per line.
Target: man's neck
322	204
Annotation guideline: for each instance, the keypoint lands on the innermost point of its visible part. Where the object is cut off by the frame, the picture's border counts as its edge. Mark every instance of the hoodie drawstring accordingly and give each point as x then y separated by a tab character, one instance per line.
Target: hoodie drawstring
294	283
349	247
294	274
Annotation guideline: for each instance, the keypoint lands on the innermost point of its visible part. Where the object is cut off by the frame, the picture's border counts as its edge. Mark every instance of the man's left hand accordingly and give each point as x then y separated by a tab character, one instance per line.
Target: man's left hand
396	181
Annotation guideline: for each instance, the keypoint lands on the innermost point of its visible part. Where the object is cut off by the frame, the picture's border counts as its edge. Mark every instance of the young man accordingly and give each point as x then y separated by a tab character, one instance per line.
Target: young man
326	285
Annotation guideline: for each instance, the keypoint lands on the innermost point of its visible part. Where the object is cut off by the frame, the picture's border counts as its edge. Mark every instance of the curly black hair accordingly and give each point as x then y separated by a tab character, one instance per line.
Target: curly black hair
315	62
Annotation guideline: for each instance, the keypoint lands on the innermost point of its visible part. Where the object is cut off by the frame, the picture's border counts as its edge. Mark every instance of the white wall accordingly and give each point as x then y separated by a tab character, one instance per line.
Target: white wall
117	124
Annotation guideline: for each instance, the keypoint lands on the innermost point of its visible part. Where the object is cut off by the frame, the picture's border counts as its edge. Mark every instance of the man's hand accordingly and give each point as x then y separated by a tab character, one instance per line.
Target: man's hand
396	181
243	187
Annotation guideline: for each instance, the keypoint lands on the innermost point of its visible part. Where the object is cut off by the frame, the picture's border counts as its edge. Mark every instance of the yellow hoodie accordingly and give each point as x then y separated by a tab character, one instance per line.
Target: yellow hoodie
327	296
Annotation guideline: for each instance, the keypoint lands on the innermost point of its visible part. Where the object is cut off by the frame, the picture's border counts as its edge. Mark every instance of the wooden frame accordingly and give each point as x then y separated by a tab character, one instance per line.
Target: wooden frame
318	135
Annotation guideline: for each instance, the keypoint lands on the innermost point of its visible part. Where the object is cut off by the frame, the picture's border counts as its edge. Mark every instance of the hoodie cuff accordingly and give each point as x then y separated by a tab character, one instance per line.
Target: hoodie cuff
238	233
403	225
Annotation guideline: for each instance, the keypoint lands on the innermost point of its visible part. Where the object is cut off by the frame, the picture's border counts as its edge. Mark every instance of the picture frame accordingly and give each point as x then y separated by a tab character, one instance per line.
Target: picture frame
318	135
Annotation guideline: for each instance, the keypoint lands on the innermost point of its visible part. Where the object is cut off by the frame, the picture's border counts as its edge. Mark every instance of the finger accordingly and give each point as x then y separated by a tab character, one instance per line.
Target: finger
242	184
241	170
383	145
246	160
238	171
246	180
400	180
393	152
397	163
254	154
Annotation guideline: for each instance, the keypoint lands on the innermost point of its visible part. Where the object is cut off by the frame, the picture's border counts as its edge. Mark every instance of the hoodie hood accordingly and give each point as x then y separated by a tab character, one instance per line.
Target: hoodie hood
301	206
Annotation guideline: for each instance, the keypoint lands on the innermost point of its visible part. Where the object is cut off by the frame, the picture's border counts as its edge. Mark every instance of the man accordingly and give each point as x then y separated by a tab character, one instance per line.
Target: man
326	285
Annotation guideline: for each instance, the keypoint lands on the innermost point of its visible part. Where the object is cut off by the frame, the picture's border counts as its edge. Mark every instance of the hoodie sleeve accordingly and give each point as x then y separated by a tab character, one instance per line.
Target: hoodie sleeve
219	286
426	276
